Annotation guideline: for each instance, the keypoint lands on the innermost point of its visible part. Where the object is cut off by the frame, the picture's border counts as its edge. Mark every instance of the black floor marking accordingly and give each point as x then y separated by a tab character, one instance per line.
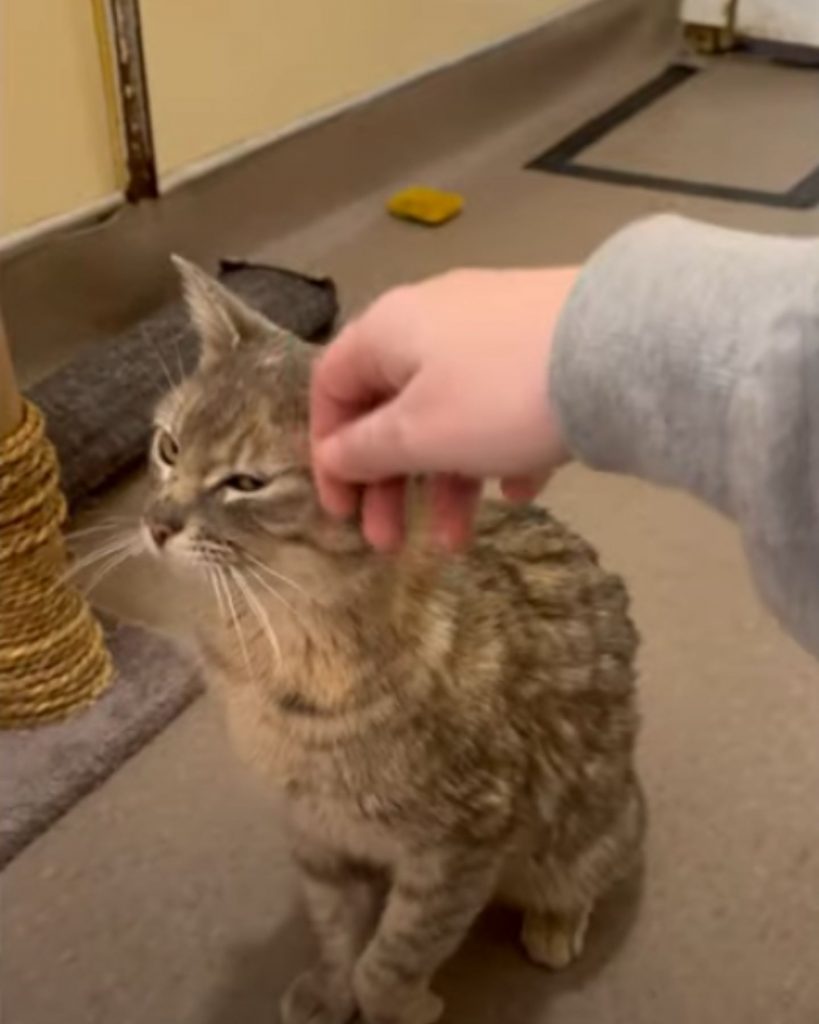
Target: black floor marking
561	158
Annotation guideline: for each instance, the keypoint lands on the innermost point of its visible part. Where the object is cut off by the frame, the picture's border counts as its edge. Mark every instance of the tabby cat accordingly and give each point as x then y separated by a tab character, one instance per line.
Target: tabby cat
446	729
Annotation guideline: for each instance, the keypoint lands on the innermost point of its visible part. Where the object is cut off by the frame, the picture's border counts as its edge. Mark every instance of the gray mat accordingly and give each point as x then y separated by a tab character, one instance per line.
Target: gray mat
98	407
44	771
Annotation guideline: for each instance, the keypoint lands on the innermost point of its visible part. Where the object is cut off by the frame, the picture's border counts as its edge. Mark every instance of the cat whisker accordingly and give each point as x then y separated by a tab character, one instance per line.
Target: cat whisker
221	582
110	547
179	363
275	573
114	562
172	384
90	533
211	554
235	620
217	594
273	592
258	609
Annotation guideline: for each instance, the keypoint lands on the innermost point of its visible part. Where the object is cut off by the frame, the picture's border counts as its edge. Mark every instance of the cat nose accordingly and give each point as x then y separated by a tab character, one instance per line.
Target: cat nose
164	522
162	532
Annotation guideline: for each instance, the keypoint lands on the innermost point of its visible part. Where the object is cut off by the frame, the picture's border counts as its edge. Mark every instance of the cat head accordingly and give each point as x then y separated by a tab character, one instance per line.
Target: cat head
232	483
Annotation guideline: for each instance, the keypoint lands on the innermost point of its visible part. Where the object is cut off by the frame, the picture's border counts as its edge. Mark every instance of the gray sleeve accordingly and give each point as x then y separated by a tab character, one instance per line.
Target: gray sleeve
688	355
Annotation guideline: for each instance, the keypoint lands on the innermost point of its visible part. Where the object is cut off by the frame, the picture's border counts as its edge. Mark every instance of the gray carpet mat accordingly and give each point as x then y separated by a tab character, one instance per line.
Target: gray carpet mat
99	410
44	771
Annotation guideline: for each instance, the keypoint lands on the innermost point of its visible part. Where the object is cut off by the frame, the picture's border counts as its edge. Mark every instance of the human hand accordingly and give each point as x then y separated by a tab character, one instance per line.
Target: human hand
447	378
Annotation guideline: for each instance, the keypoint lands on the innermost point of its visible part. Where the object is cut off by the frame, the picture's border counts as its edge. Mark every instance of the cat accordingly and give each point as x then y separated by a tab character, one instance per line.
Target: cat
447	730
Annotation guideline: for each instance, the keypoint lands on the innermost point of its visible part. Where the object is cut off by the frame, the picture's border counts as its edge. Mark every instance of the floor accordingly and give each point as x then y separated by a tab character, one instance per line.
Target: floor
167	895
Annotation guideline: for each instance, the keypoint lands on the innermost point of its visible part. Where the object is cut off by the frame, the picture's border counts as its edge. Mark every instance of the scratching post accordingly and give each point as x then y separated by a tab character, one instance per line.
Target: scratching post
52	655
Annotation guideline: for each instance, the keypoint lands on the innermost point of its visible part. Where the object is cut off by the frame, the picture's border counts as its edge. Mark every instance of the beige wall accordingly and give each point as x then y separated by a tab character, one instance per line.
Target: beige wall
220	72
223	72
55	149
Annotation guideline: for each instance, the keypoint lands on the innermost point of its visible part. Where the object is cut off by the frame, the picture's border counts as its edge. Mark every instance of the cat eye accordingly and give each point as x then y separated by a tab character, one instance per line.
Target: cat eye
244	482
166	448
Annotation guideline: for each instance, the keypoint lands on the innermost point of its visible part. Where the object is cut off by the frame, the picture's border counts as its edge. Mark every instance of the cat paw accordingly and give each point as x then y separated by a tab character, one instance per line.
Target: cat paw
421	1007
309	1001
553	941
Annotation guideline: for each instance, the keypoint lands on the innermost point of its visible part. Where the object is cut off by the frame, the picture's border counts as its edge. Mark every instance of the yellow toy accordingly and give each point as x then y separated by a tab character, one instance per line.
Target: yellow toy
425	205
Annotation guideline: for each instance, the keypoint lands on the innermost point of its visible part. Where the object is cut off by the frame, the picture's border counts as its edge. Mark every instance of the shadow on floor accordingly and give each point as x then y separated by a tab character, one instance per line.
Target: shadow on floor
257	974
488	981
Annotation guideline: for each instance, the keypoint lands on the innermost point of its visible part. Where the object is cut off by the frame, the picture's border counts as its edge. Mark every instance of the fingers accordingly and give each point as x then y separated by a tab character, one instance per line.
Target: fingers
360	369
454	502
376	446
340	499
383	514
355	374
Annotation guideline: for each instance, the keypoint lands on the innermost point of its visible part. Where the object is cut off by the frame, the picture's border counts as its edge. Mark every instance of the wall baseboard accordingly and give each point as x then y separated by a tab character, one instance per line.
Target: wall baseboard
40	230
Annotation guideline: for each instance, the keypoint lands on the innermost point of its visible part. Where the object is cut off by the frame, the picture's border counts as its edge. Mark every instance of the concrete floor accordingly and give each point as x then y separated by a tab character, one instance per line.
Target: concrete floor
167	896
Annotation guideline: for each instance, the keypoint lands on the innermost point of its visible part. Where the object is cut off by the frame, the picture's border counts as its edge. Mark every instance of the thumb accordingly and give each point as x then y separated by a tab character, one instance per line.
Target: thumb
374	447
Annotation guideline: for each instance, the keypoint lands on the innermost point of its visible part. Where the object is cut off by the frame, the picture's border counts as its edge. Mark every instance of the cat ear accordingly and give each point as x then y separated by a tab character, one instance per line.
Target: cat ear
222	320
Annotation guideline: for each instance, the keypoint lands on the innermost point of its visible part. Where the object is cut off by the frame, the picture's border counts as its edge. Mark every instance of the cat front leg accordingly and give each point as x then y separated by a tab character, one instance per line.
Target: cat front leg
342	900
434	898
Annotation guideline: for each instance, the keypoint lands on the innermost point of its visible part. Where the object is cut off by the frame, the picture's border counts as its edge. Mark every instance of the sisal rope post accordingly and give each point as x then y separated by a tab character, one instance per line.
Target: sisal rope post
52	654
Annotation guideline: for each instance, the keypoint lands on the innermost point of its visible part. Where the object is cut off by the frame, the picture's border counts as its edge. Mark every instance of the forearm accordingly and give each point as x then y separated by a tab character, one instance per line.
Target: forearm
689	355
